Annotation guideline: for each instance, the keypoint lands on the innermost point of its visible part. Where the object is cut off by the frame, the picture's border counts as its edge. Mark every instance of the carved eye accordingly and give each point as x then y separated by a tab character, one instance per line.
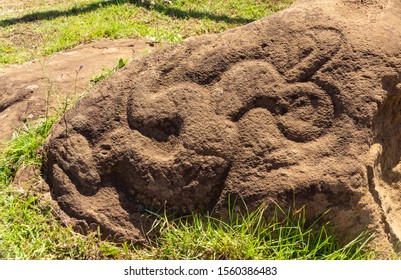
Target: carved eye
158	128
155	117
308	112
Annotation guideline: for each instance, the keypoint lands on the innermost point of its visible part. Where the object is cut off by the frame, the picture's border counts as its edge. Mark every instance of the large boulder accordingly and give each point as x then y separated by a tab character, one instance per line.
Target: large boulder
299	108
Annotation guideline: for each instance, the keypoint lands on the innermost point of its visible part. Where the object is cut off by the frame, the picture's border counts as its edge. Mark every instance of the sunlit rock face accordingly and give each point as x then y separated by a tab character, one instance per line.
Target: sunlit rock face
301	108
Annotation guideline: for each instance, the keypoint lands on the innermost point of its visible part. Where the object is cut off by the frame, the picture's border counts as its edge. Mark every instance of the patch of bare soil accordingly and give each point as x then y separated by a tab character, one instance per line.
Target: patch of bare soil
28	90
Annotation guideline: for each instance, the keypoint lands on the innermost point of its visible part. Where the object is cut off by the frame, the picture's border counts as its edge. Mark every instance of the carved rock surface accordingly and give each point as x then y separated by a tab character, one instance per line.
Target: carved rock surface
299	108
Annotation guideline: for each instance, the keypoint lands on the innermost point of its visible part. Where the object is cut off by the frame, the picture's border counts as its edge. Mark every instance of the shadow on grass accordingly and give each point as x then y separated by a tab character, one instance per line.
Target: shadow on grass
163	9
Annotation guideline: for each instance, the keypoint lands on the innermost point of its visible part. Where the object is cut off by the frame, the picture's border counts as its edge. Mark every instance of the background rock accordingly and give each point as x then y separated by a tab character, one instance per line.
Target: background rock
27	91
300	108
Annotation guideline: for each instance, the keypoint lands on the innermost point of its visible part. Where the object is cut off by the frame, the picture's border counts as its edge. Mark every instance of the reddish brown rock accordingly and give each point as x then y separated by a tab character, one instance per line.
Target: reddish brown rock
300	108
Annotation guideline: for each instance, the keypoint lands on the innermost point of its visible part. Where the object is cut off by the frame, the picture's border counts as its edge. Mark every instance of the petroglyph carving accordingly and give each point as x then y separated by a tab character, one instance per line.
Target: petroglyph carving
281	111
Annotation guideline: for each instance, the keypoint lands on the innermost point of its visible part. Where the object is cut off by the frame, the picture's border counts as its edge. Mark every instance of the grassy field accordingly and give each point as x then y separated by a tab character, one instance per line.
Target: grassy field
34	28
30	230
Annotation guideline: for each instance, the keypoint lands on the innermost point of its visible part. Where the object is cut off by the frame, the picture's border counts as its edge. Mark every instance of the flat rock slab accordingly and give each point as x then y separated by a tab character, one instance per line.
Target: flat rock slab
25	89
301	108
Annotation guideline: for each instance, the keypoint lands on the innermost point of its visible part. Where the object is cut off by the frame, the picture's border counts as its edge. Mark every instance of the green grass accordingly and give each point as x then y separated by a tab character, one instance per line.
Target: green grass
23	149
29	230
42	29
106	72
252	237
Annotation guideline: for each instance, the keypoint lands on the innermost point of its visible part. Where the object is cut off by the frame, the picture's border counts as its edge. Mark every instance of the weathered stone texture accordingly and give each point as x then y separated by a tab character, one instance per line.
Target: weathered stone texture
299	108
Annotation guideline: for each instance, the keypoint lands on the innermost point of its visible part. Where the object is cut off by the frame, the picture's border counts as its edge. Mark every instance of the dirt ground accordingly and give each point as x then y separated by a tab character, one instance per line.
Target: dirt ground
25	88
